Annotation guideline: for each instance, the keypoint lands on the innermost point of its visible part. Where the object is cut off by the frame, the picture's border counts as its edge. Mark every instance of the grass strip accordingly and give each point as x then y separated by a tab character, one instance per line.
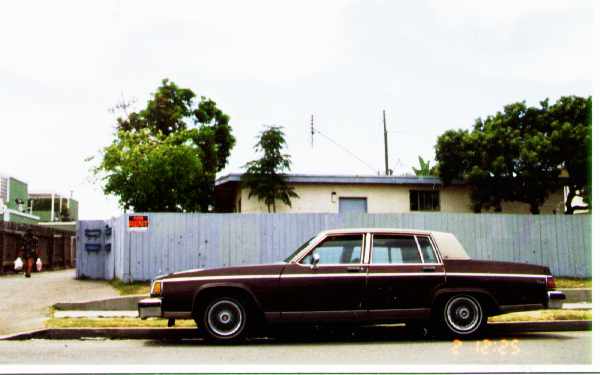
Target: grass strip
127	289
571	282
114	323
542	315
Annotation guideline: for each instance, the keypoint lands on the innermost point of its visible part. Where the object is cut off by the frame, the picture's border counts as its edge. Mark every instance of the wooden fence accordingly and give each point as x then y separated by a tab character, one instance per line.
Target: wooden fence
174	242
56	248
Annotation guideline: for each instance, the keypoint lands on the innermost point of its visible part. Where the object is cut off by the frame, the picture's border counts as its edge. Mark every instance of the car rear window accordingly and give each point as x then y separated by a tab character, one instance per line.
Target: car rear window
389	249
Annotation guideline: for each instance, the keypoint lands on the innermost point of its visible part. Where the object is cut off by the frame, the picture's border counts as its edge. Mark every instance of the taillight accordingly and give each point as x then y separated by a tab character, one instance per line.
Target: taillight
550	284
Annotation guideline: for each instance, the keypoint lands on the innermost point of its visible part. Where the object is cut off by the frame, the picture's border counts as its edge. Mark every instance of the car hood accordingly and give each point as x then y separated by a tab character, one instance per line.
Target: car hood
254	270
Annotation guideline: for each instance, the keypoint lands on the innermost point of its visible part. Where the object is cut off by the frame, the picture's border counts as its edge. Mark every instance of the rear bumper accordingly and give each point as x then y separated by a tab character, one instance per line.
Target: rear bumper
555	299
149	308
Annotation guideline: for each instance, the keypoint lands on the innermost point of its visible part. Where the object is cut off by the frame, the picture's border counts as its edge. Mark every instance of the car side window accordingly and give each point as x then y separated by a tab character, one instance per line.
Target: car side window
427	250
341	249
388	249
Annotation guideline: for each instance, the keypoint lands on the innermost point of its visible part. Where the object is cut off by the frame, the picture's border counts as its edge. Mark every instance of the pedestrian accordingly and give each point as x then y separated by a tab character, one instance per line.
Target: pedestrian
29	251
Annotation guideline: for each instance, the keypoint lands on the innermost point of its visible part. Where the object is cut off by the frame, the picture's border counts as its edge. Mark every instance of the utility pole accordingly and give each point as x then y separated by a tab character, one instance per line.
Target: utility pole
387	169
312	131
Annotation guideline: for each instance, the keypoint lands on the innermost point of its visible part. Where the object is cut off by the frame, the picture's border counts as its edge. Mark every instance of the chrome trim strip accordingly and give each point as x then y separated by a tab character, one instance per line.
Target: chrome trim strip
345	274
406	264
227	277
401	274
185	271
368	248
480	274
419	248
341	274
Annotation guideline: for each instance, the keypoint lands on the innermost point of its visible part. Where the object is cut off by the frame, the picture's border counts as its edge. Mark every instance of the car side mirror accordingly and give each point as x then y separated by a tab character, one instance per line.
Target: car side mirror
315	260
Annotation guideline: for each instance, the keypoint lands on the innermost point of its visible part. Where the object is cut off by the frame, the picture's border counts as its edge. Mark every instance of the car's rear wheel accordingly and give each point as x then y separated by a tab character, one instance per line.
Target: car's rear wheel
463	316
224	320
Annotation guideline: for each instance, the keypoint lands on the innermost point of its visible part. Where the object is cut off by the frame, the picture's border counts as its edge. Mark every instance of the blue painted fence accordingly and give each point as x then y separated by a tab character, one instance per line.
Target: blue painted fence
178	241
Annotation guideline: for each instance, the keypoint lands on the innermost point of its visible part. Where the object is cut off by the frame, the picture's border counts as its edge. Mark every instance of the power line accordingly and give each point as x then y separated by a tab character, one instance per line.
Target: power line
317	131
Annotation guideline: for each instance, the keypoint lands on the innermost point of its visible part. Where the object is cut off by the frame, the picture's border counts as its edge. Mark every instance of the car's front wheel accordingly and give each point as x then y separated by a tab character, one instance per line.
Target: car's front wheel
224	320
463	316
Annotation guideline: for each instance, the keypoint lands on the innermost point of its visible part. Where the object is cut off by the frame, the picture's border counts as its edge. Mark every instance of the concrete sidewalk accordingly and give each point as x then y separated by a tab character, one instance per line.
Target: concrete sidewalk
25	301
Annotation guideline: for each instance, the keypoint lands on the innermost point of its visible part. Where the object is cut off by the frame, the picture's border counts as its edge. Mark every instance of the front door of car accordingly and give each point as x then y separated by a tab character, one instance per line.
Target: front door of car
404	272
333	288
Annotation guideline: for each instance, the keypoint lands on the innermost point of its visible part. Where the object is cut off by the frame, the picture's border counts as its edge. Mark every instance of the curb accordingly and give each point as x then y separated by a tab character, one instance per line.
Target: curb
180	333
108	333
550	326
108	304
577	294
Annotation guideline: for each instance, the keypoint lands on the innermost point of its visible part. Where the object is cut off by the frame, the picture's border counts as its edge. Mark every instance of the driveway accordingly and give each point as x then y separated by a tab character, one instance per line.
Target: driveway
25	301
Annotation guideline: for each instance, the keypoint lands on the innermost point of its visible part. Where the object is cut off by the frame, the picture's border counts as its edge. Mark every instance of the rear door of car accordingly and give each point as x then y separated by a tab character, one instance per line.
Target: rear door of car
404	271
334	289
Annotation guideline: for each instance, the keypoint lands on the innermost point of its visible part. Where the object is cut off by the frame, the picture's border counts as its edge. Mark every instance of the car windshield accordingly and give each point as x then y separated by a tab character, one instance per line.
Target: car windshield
302	247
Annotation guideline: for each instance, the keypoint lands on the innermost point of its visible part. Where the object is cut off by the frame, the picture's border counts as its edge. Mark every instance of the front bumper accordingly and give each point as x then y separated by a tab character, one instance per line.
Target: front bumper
555	299
149	308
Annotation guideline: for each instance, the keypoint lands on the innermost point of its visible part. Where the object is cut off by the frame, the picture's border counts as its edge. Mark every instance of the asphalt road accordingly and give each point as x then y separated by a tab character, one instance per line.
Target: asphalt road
379	347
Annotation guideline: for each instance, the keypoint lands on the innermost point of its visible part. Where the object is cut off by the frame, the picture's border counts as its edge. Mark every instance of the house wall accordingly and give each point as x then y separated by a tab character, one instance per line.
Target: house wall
316	198
16	190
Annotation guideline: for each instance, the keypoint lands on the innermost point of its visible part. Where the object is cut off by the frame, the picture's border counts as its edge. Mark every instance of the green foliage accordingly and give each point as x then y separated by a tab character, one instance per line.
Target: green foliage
133	288
424	168
165	157
570	130
265	177
518	154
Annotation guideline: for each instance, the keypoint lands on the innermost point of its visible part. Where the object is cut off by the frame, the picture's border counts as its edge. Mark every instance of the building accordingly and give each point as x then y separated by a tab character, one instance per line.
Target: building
18	205
366	194
14	197
53	207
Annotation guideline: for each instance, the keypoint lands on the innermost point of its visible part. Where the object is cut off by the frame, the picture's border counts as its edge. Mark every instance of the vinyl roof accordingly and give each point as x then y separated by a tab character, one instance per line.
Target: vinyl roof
448	245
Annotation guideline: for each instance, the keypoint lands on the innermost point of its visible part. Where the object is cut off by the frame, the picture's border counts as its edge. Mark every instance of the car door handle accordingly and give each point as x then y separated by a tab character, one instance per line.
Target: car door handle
354	269
429	269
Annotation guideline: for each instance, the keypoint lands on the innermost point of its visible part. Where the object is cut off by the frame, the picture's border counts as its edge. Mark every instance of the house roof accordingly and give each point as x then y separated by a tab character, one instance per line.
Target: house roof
344	179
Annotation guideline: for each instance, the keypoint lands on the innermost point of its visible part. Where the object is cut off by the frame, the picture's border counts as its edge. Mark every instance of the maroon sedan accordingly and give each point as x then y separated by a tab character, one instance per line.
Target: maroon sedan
363	276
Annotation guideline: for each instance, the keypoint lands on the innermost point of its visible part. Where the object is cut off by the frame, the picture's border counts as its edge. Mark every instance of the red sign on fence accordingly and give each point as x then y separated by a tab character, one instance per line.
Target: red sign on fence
138	223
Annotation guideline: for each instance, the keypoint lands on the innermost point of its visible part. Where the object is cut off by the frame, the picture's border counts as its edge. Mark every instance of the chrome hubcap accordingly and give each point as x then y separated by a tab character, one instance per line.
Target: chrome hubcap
463	314
225	318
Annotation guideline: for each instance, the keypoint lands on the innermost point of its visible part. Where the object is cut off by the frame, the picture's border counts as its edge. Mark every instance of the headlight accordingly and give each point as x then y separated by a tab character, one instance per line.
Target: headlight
156	289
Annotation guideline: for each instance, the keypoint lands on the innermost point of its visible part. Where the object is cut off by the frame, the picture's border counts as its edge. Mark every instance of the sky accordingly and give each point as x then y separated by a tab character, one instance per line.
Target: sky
431	65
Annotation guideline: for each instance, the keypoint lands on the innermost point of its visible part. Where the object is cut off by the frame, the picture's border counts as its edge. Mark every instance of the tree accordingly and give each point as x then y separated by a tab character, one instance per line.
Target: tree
570	130
265	177
166	156
424	168
518	154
